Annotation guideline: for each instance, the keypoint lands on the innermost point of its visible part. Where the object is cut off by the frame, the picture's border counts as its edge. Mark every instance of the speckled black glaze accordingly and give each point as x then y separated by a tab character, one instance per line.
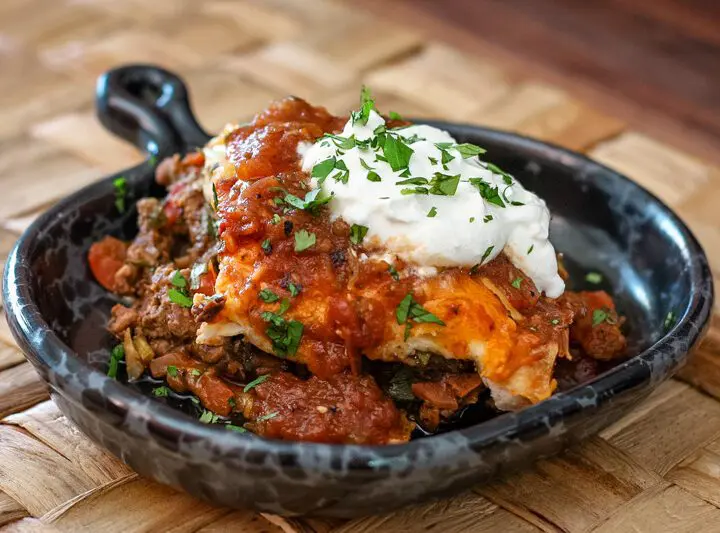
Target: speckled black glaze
602	221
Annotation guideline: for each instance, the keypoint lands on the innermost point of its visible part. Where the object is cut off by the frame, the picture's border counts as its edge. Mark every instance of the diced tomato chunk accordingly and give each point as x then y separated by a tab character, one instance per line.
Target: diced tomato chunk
106	257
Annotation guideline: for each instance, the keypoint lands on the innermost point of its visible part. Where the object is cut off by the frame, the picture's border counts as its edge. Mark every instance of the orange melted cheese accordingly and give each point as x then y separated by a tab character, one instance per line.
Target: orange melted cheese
348	300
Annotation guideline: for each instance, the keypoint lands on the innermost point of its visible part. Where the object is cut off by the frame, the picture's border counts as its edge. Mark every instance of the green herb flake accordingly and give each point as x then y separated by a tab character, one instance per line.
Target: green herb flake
120	186
178	280
397	153
469	150
304	240
487	253
394	274
116	355
394	116
180	298
432	160
357	233
555	321
161	392
516	282
323	169
268	416
471	220
367	104
284	334
294	289
311	203
601	315
255	382
172	371
208	417
409	311
444	184
195	372
669	322
432	212
275	219
268	296
266	246
593	277
413	181
373	176
237	429
489	192
487	218
530	250
284	306
474	269
415	190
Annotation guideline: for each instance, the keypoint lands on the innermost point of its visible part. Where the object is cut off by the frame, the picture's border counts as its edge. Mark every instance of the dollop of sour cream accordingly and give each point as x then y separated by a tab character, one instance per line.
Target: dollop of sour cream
441	207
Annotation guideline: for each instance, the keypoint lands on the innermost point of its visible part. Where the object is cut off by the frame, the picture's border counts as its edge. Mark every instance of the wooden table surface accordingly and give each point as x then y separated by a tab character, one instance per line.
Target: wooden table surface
657	469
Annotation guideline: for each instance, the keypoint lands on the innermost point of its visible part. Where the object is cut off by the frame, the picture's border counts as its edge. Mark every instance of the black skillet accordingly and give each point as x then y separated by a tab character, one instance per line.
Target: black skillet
602	221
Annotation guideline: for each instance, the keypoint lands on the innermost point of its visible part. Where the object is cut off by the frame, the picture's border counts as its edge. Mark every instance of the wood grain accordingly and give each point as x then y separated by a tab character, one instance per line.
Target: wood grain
657	469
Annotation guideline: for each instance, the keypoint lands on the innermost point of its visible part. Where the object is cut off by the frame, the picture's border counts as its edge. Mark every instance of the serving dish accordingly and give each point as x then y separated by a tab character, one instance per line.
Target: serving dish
656	269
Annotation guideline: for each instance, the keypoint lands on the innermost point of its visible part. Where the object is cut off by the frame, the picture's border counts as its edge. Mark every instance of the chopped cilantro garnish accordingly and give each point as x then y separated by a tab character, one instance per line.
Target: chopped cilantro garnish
367	104
409	311
507	178
267	416
515	202
668	323
304	240
394	116
593	277
602	315
237	429
284	334
195	372
432	212
180	298
488	192
294	289
116	355
413	181
178	280
471	220
394	274
487	218
487	253
322	169
208	417
255	382
172	371
343	174
469	150
275	219
373	176
444	184
266	246
432	160
310	203
284	306
415	190
364	164
397	153
516	282
268	296
357	233
161	392
474	269
555	321
532	247
120	185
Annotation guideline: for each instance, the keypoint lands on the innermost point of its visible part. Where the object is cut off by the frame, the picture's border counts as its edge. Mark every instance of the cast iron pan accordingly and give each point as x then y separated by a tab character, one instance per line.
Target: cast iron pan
602	222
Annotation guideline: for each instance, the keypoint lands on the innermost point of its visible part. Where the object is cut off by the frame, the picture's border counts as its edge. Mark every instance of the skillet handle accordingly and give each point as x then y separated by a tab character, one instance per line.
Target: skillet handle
149	107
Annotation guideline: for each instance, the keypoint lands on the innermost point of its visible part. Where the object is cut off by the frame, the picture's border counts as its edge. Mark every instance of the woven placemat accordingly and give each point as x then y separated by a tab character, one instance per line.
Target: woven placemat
657	469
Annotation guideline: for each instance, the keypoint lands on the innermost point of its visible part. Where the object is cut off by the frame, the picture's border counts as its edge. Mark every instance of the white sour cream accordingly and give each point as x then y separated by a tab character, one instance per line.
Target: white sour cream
466	230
